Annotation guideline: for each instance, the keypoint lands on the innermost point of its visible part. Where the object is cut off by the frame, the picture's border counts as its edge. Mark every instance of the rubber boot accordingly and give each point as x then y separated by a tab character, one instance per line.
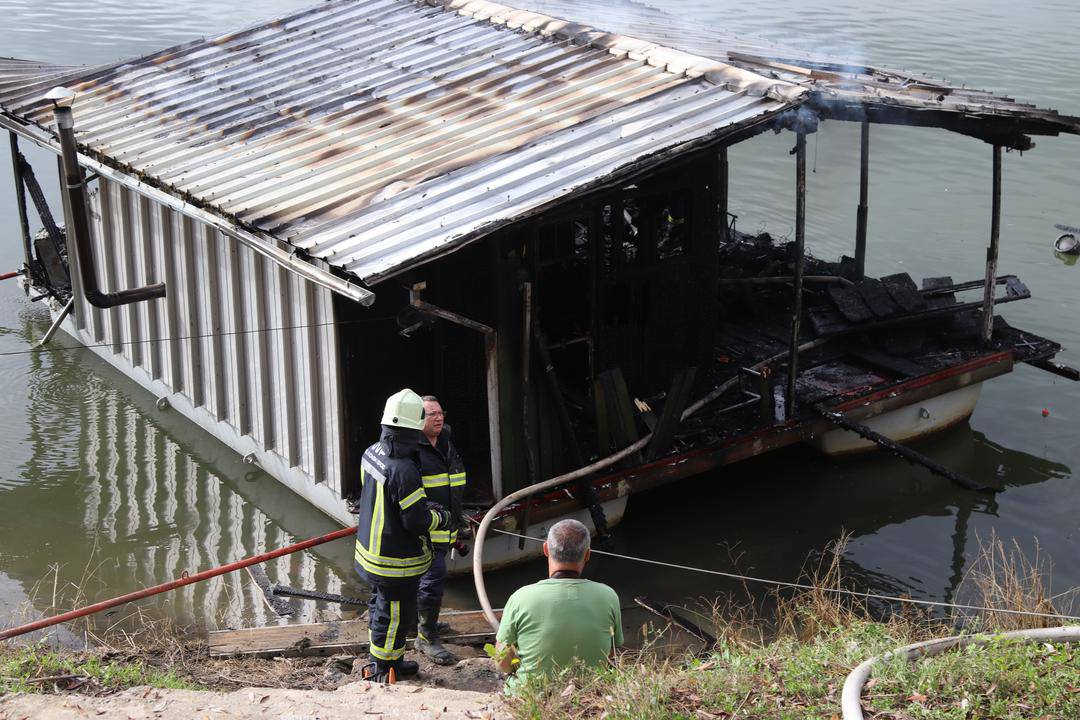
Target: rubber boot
427	635
383	671
406	668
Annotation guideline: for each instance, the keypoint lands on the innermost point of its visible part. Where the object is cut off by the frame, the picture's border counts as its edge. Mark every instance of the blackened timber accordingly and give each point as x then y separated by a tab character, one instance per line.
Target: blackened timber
280	606
526	391
678	620
33	188
992	251
722	193
277	590
1056	368
800	266
678	395
877	298
20	198
904	292
863	212
899	450
597	512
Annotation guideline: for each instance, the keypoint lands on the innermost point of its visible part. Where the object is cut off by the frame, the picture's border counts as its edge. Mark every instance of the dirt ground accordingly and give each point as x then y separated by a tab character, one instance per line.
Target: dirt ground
299	688
350	701
474	672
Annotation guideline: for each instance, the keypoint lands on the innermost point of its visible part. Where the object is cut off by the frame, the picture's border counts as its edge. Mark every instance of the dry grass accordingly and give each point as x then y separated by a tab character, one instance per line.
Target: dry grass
1004	576
793	663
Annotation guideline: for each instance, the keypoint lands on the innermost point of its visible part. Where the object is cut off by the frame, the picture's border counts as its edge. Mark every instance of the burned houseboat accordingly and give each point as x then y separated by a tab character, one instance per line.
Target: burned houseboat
524	213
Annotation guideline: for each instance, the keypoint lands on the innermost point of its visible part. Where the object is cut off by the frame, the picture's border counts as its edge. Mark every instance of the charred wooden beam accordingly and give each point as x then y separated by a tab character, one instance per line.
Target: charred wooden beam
678	620
992	251
526	391
20	198
277	590
576	458
800	266
1008	132
899	450
678	395
862	216
279	606
777	279
722	193
491	375
1056	368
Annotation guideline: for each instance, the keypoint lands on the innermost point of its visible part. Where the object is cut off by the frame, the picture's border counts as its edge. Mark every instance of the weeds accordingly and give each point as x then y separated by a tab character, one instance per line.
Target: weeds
35	668
1003	576
797	666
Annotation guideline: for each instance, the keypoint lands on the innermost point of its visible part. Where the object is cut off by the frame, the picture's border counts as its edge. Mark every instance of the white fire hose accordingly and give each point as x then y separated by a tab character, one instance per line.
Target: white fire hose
851	698
481	531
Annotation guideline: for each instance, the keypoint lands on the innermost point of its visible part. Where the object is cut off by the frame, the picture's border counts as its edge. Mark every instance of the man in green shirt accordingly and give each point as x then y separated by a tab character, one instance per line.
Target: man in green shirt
549	624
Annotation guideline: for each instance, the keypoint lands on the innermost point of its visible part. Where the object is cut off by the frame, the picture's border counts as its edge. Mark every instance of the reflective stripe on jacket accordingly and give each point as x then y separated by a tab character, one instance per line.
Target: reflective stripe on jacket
443	474
395	514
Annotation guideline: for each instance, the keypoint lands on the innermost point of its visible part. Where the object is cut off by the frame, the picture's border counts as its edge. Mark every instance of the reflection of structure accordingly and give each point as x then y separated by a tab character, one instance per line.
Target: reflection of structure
146	508
911	532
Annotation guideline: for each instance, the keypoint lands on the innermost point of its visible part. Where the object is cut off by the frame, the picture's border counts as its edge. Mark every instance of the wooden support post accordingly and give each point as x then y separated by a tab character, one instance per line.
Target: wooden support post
588	492
20	198
663	436
992	251
722	193
526	394
864	207
800	264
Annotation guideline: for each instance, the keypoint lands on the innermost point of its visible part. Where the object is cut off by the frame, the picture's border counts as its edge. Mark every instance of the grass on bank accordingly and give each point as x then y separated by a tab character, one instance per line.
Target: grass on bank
37	668
798	669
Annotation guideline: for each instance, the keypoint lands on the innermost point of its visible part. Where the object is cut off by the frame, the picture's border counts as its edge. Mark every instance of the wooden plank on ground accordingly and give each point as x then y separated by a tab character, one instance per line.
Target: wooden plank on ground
330	638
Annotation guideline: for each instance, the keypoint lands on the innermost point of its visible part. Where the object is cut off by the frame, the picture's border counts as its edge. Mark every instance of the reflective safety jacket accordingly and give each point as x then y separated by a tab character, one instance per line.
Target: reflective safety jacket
444	480
395	515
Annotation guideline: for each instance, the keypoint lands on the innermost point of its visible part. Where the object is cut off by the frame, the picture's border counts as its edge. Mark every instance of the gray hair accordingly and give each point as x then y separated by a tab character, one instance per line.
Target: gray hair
567	541
430	398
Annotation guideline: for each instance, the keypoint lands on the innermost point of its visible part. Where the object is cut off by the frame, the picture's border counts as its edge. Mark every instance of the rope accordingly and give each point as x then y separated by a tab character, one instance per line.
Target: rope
805	586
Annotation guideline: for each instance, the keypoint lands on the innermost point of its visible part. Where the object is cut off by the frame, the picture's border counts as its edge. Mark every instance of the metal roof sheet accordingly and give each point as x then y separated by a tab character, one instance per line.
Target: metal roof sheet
831	78
373	134
328	127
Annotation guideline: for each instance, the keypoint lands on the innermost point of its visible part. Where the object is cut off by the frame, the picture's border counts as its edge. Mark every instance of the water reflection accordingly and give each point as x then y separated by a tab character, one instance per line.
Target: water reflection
114	493
911	532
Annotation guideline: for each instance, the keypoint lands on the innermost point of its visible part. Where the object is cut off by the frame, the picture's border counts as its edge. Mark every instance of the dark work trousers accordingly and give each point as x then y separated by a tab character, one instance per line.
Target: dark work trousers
391	618
432	582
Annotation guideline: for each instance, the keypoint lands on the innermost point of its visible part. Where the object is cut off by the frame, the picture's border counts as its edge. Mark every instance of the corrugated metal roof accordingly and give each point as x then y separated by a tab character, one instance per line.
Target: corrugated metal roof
329	126
830	77
375	133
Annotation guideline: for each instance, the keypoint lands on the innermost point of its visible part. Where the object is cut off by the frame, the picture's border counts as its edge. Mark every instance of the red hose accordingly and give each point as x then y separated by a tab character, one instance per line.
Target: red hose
172	585
8	276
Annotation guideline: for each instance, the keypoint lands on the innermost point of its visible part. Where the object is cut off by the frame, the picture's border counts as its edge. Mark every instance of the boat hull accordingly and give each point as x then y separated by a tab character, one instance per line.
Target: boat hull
501	550
907	423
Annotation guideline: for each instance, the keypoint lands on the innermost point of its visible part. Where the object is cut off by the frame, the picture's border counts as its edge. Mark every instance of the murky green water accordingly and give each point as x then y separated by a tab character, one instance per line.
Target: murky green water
117	496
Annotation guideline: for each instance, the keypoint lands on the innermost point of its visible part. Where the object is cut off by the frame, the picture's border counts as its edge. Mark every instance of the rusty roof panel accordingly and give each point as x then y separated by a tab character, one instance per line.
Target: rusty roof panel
832	79
307	127
310	126
375	133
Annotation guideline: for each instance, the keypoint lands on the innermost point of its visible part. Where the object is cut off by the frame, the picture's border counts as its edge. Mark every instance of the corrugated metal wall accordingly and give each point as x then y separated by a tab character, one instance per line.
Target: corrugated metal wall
252	346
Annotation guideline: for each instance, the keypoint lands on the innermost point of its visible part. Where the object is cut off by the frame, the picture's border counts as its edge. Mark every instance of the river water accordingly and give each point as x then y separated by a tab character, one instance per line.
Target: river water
100	492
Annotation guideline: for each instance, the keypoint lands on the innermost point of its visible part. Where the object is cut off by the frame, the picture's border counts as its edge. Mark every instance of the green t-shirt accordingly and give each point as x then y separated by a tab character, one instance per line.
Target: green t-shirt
552	622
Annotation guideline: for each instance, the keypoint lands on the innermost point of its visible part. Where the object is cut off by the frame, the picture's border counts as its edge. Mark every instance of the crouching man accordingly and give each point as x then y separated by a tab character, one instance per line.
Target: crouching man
549	624
393	549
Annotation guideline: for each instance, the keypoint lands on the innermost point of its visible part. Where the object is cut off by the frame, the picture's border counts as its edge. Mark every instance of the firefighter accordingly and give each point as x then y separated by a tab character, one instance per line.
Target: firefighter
443	474
393	549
